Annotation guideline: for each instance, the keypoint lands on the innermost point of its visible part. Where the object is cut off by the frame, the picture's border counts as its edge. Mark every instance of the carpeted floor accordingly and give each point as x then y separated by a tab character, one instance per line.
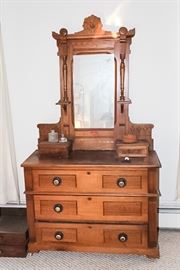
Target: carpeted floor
169	260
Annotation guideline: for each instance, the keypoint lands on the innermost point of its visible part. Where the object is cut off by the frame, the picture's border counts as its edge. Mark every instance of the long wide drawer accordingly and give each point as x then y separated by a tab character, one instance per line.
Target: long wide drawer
131	180
67	235
98	208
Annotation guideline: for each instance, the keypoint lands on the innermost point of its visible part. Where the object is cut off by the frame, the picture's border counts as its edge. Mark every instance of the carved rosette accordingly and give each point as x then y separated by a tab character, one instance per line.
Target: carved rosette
124	34
92	25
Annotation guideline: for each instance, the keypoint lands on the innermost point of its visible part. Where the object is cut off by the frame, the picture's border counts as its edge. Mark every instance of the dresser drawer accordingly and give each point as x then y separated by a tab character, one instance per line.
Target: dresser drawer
91	208
119	236
54	181
118	181
125	181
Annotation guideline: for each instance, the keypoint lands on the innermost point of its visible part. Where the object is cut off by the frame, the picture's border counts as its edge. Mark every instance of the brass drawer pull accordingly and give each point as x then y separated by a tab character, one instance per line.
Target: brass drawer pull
59	235
121	182
58	208
57	181
123	237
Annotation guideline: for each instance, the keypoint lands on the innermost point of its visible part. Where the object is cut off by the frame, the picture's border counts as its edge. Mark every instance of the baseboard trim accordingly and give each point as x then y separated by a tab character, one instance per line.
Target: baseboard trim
169	210
169	218
13	205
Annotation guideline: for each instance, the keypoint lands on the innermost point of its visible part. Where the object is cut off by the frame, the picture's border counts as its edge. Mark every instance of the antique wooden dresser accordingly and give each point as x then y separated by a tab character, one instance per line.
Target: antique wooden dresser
96	188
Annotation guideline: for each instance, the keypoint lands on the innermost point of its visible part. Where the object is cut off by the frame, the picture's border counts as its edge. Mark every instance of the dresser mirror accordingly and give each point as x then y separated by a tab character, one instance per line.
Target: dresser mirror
93	91
94	95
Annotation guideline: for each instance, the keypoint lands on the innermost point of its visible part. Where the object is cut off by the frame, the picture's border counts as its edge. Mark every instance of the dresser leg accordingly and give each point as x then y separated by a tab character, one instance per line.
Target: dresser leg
154	254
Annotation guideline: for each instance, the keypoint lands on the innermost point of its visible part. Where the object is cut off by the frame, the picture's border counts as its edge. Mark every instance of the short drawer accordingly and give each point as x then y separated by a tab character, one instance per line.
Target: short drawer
55	181
102	235
125	181
115	181
98	208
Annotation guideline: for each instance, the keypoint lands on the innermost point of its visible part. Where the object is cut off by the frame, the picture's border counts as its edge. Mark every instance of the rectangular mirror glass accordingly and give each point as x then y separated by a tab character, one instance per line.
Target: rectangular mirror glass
93	90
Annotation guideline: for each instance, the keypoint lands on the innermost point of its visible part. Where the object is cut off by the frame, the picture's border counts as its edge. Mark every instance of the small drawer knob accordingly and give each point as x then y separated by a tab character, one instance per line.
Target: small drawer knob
56	181
121	182
59	235
1	251
123	237
58	208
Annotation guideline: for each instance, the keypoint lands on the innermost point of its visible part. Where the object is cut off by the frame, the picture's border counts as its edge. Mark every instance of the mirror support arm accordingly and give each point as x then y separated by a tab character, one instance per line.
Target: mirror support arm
64	102
122	76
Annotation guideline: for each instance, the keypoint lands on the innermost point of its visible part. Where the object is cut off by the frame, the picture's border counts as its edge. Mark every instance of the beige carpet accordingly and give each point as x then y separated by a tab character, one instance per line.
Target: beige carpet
169	260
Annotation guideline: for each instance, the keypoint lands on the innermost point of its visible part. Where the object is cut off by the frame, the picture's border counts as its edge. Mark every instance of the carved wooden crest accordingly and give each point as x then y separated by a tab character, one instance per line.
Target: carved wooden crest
92	25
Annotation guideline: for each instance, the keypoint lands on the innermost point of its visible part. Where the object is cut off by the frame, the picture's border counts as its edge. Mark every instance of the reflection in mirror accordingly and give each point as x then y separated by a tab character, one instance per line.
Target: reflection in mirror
93	90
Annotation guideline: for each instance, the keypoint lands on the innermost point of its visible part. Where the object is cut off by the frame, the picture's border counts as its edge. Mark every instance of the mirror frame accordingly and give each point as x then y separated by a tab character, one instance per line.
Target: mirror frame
93	39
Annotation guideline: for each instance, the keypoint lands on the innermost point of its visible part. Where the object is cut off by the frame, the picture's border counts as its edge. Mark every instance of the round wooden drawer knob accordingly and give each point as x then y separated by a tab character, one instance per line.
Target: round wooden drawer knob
121	182
123	237
57	181
59	235
1	251
58	208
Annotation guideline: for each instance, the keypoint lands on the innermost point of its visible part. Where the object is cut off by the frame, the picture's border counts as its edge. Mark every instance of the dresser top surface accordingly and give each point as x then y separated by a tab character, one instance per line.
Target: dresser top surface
91	158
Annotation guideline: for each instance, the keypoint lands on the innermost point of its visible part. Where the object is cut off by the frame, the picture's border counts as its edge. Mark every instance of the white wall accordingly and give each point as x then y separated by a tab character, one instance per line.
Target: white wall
32	68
